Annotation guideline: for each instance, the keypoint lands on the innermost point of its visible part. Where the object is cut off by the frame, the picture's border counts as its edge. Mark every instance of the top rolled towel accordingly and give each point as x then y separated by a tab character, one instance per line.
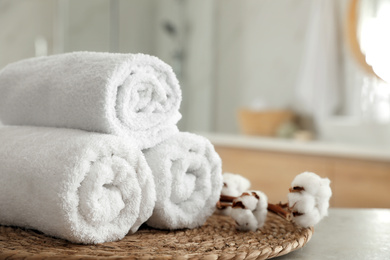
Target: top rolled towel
120	94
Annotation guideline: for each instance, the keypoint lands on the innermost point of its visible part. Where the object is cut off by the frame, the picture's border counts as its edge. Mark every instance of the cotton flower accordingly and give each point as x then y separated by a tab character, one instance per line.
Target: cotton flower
250	210
309	198
301	202
244	218
313	184
308	219
261	209
234	184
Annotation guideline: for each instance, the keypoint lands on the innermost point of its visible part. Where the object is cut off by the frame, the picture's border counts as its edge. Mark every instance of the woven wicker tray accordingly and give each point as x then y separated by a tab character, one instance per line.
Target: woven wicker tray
217	239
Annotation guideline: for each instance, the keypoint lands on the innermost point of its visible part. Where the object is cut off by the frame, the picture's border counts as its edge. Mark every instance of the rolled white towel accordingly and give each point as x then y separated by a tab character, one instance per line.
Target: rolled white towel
80	186
187	174
121	94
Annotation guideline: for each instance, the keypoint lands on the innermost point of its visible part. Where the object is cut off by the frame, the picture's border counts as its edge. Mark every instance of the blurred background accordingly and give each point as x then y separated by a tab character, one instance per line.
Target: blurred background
308	70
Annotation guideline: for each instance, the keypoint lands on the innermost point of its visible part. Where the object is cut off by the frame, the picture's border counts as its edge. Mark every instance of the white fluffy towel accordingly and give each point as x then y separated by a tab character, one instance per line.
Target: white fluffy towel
121	94
187	174
80	186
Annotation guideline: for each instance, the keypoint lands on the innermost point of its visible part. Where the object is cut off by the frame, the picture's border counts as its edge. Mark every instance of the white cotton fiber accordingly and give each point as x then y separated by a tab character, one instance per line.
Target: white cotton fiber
234	184
312	202
323	207
308	219
244	218
249	200
324	191
261	208
313	184
250	210
301	202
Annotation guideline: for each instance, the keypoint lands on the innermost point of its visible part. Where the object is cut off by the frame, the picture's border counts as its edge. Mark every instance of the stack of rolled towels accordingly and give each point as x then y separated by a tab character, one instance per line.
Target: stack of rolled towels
90	150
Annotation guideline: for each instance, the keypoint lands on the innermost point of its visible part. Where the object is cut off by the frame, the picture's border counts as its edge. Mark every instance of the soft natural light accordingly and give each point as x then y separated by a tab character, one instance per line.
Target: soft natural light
375	40
375	43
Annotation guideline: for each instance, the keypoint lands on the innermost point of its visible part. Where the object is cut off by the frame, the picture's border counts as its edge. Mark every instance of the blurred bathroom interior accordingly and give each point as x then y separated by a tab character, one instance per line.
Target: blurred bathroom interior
272	70
229	56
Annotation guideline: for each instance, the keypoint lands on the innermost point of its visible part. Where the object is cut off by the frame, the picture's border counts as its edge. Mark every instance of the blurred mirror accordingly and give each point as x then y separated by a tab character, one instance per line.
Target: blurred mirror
279	59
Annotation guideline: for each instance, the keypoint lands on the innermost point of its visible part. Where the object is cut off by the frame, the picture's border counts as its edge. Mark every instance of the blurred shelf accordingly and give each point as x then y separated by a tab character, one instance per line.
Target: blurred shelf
320	148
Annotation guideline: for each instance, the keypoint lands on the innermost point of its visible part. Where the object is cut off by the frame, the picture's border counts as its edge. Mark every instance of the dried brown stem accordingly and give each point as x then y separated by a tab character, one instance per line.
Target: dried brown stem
225	198
282	205
277	209
223	205
280	209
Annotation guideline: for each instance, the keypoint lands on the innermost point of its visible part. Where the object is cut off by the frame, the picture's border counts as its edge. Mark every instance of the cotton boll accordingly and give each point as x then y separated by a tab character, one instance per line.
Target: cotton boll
234	184
308	219
248	200
257	202
309	198
301	202
231	187
260	211
244	218
314	185
309	181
